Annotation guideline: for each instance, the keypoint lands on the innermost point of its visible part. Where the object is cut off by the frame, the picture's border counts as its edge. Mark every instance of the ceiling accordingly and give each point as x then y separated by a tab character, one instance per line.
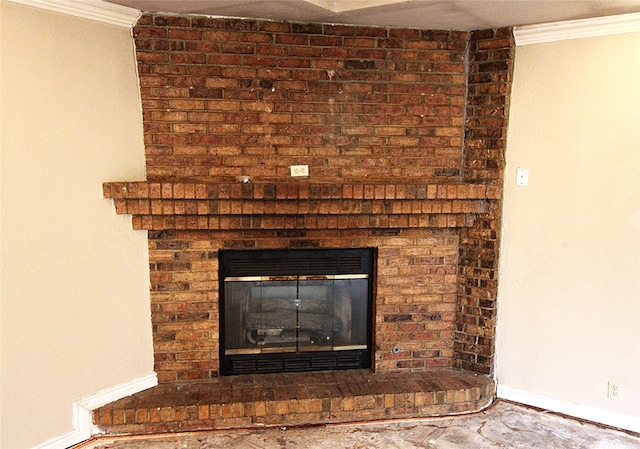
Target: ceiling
464	15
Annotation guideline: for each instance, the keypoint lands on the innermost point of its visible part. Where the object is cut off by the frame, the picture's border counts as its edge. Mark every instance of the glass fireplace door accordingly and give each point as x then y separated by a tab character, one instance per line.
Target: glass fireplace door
276	318
334	310
295	314
261	315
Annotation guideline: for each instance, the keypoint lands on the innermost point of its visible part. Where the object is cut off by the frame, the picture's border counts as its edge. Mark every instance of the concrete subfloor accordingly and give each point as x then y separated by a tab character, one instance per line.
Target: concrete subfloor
504	425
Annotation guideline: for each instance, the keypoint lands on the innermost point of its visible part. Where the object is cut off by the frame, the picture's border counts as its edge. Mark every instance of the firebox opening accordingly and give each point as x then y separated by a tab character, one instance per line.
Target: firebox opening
295	310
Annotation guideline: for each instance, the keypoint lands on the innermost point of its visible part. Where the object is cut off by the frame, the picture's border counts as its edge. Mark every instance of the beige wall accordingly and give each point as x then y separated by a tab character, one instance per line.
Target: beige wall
74	292
75	307
569	297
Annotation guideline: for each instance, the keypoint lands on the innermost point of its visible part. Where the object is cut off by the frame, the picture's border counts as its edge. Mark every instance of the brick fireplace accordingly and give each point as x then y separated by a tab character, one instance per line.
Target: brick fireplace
403	131
417	262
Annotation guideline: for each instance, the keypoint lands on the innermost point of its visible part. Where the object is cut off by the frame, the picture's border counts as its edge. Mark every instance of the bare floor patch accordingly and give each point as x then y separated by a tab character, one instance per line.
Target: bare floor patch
505	425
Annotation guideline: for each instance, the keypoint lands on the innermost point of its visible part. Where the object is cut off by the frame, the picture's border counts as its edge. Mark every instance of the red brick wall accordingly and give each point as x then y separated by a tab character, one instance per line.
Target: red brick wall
224	98
489	90
387	108
415	294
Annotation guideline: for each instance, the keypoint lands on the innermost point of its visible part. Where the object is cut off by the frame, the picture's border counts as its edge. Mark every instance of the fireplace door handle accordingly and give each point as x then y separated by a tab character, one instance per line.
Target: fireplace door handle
283	278
333	277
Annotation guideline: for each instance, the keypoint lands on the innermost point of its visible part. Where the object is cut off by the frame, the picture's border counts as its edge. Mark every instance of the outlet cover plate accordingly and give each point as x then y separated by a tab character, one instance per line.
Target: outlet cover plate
614	390
299	170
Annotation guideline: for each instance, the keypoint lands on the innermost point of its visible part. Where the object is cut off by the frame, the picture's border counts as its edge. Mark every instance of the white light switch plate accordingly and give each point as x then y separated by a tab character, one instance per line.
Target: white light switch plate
522	177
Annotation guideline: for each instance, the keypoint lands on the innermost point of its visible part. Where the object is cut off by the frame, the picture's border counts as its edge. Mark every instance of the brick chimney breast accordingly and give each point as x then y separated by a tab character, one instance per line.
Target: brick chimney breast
403	134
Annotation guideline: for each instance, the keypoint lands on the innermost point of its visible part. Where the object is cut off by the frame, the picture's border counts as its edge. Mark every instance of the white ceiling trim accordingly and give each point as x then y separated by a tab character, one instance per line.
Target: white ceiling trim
339	6
576	29
329	5
96	10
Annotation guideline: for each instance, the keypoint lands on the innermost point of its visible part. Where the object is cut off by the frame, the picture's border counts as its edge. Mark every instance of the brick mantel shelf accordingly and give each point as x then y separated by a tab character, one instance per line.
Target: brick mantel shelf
293	205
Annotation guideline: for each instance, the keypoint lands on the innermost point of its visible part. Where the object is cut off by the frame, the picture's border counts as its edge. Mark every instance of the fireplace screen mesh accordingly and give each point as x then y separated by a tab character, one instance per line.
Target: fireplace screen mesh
297	322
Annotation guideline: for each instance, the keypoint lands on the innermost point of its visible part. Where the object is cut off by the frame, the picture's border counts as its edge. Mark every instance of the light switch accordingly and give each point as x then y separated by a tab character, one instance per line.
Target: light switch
522	177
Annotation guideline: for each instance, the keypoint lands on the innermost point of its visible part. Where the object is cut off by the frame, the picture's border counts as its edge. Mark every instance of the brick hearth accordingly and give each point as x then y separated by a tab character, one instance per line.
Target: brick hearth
295	399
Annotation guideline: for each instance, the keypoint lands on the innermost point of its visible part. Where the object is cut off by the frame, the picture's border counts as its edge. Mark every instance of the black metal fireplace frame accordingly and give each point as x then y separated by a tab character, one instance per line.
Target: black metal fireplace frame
296	262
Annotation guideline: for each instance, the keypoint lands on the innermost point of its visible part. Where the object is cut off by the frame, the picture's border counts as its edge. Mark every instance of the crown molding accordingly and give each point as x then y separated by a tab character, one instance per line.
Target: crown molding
576	29
96	10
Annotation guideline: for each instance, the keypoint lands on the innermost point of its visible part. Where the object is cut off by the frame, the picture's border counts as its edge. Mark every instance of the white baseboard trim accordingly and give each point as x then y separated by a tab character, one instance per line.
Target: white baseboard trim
597	415
83	427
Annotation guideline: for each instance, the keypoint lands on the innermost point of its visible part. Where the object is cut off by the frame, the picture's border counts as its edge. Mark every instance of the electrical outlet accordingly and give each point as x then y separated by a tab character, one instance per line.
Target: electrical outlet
299	170
614	391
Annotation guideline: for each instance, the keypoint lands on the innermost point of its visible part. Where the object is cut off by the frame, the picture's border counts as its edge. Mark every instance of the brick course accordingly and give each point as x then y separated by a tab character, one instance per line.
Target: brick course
403	131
